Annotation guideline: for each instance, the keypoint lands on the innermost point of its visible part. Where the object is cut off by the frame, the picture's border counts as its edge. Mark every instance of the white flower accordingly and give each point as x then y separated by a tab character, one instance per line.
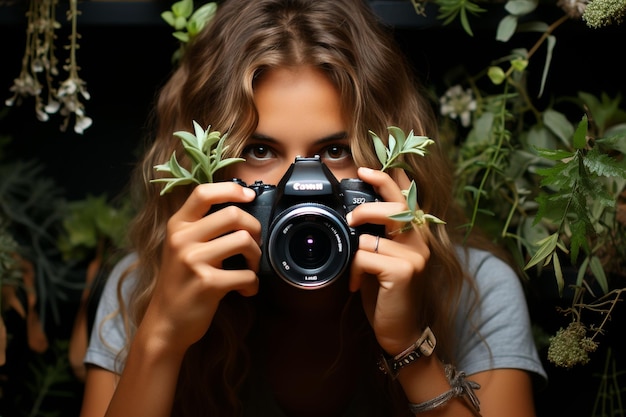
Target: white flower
67	88
457	103
52	106
82	123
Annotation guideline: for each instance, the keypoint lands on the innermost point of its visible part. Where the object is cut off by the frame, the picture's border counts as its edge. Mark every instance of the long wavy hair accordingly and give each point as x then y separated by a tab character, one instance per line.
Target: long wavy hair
214	85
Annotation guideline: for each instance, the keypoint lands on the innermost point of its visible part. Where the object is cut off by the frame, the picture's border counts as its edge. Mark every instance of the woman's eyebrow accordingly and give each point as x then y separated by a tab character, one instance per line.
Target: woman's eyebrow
329	138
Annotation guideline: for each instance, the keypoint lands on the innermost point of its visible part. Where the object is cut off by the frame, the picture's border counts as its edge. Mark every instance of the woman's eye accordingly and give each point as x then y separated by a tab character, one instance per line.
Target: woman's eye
336	152
257	151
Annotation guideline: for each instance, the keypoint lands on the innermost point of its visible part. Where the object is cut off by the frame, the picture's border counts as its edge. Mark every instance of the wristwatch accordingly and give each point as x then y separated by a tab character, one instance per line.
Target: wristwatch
424	346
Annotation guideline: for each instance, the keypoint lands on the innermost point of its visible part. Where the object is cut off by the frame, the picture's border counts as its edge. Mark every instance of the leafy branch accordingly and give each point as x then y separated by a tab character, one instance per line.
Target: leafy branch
401	144
450	10
414	215
205	148
574	184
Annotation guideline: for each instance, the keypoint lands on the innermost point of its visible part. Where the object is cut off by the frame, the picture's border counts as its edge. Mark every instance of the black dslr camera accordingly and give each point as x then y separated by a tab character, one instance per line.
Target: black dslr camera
306	239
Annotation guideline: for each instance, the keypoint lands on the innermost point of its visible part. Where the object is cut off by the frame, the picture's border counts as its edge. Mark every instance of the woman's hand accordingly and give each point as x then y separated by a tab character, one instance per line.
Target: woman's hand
191	280
386	269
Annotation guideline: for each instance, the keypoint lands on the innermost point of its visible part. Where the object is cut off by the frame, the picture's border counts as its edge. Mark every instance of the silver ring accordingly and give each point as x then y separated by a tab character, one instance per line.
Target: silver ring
376	244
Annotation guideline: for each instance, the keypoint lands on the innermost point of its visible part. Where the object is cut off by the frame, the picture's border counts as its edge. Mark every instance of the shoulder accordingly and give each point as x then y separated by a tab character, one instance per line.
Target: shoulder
108	334
498	333
120	270
491	274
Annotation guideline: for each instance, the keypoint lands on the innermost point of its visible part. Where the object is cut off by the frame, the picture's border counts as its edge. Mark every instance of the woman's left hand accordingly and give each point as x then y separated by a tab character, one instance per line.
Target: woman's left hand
386	269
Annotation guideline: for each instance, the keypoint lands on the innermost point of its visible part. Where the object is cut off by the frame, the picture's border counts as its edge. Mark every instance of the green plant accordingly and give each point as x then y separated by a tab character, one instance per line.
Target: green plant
550	190
49	381
400	144
610	389
205	148
93	224
187	22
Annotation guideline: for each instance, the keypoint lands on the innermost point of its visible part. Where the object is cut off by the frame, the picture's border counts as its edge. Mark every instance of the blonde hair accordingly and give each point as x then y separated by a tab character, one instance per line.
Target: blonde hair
214	85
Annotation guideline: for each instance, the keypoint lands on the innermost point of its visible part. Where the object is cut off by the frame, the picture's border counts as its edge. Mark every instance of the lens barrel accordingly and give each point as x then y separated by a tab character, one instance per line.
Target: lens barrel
309	245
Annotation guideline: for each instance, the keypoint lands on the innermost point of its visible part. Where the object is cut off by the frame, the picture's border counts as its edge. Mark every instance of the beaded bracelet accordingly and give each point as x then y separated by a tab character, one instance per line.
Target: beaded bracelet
459	387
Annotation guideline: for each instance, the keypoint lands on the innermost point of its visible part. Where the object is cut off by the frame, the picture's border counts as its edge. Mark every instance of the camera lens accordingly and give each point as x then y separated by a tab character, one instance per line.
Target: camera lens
309	245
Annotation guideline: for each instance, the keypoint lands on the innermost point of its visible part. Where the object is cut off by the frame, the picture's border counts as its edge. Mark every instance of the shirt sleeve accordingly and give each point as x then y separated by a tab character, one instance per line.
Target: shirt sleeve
498	333
108	336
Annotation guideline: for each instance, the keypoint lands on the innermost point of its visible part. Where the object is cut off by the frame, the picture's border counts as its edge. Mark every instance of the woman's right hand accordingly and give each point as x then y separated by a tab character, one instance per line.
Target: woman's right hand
191	281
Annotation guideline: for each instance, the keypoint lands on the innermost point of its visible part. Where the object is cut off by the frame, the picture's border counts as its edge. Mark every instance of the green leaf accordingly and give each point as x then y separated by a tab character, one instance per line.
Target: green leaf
555	154
379	147
615	142
200	18
183	8
405	216
411	197
547	246
598	272
604	165
169	18
506	28
180	23
550	43
520	7
558	124
558	272
181	36
579	230
580	135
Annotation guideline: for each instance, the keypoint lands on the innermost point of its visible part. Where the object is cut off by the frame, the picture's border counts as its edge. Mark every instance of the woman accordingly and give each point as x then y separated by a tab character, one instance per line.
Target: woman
179	334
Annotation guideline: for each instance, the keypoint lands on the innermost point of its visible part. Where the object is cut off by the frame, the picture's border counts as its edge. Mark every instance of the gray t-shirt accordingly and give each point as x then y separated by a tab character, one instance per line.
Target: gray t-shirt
502	320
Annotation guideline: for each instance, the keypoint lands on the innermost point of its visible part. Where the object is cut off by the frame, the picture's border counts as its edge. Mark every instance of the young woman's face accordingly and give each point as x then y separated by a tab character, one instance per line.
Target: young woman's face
299	115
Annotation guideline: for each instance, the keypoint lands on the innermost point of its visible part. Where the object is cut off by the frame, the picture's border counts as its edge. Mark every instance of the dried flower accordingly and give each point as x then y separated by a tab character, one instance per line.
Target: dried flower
571	346
573	8
458	103
599	13
40	62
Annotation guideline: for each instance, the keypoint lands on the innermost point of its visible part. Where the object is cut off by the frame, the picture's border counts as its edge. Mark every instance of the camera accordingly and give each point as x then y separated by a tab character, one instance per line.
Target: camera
306	239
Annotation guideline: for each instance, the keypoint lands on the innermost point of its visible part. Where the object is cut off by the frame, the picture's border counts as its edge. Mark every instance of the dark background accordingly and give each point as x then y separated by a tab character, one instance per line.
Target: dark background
125	57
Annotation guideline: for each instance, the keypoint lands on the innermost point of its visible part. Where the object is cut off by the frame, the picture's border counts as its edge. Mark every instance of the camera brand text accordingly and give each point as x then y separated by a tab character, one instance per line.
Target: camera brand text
317	186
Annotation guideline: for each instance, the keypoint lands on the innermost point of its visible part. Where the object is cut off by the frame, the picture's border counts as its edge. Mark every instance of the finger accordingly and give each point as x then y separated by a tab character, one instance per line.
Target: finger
222	281
204	196
408	260
376	213
216	251
245	282
383	184
403	180
219	223
387	294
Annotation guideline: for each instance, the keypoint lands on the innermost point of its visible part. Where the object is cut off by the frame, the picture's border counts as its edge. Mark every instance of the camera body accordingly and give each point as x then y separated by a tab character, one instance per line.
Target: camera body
306	239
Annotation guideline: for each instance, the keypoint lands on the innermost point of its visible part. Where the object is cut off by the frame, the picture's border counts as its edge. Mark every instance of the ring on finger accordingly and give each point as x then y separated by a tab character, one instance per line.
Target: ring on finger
376	244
